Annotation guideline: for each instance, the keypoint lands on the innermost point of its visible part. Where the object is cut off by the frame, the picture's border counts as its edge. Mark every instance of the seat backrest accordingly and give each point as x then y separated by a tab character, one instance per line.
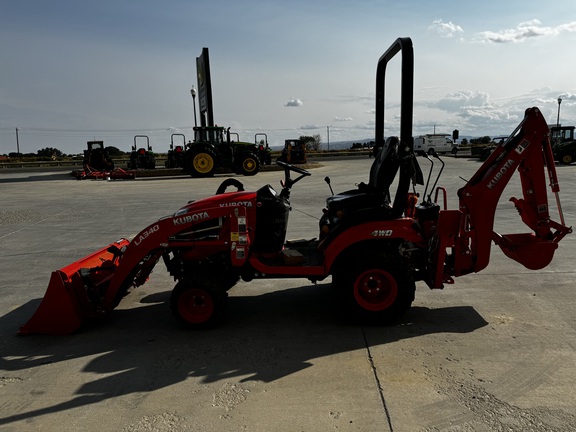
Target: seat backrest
385	166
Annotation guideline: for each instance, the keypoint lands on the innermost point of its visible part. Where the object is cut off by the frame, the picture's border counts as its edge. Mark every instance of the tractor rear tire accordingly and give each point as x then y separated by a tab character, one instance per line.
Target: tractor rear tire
196	305
249	165
201	163
374	288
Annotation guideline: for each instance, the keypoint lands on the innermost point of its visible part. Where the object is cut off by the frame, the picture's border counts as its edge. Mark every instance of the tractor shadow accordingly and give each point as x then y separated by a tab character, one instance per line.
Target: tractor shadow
37	178
262	338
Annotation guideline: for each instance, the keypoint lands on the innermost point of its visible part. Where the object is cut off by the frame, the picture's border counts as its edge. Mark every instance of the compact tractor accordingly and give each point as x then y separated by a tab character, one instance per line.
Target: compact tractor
98	165
375	240
174	156
96	157
294	151
214	149
263	149
142	158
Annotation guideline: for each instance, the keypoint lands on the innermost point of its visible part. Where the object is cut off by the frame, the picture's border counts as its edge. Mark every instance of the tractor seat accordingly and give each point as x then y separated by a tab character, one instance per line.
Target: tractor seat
375	194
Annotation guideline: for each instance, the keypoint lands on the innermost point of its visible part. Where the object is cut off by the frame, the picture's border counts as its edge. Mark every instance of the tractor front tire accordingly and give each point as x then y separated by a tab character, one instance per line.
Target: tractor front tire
249	165
197	306
374	288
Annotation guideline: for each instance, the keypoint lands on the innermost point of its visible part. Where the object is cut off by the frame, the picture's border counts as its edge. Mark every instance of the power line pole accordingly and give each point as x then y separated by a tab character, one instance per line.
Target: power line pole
328	132
17	142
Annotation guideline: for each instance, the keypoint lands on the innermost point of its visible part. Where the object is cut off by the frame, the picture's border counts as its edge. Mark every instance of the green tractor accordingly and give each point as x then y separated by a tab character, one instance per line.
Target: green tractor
174	155
264	152
141	157
563	144
213	149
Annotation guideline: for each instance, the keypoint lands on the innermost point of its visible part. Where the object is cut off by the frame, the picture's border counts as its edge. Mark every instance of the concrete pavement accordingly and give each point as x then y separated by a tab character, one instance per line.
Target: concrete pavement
495	351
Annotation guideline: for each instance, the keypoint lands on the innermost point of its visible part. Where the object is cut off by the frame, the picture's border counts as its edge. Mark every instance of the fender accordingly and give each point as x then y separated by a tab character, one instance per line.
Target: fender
399	229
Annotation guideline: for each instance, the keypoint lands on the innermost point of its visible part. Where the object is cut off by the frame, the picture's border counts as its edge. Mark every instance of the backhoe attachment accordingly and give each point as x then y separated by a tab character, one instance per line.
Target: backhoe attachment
528	151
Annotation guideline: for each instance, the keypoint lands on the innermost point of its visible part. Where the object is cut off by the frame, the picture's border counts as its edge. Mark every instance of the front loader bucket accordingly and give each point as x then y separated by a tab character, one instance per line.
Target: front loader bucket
74	293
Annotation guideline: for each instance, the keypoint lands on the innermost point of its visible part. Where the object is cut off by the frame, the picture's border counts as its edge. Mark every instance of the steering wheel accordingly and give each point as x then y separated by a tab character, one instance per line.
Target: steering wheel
293	168
288	182
229	182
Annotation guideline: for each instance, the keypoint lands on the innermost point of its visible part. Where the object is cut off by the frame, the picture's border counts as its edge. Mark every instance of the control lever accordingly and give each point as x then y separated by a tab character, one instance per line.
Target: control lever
327	180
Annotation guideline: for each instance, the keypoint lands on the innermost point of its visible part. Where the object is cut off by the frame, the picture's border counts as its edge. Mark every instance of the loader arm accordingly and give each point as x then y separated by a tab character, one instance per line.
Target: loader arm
528	150
168	233
93	286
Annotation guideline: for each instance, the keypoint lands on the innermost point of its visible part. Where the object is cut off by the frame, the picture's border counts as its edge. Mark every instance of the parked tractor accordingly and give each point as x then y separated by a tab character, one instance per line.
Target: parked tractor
142	158
264	152
96	157
563	144
294	152
98	165
213	149
375	240
174	156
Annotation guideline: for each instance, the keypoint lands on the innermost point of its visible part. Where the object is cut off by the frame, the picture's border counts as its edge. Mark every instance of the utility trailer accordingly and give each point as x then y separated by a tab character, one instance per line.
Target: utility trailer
375	244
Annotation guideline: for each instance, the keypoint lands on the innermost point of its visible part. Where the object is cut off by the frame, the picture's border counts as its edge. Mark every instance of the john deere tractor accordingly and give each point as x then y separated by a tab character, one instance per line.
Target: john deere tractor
563	144
213	149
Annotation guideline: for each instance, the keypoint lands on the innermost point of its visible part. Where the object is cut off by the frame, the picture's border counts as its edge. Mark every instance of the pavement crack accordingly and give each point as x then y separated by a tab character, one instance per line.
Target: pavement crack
377	380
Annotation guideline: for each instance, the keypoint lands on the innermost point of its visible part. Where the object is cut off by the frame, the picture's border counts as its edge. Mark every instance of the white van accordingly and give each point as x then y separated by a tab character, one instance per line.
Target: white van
441	143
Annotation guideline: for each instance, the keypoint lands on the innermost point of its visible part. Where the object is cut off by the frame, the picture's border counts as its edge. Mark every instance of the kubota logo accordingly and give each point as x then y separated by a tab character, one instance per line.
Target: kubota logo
196	217
146	234
237	204
500	173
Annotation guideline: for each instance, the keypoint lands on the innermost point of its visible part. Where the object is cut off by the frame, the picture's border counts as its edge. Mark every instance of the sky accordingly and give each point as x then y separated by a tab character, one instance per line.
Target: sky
73	71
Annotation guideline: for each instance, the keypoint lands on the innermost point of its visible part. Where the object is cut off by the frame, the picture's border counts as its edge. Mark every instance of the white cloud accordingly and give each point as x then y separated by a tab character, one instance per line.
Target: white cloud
567	97
454	102
343	119
293	102
445	29
523	31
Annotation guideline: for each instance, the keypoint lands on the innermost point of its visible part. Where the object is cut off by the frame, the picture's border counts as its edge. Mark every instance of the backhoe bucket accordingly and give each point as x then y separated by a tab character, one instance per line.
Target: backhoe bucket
527	249
74	293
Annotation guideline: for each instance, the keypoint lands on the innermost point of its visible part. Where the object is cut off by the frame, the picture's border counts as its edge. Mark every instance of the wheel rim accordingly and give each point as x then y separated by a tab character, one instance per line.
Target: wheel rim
249	164
375	290
203	163
566	159
196	306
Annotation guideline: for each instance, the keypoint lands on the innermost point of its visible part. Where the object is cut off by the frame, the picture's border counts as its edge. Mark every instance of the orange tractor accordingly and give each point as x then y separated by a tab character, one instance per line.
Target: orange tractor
374	241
